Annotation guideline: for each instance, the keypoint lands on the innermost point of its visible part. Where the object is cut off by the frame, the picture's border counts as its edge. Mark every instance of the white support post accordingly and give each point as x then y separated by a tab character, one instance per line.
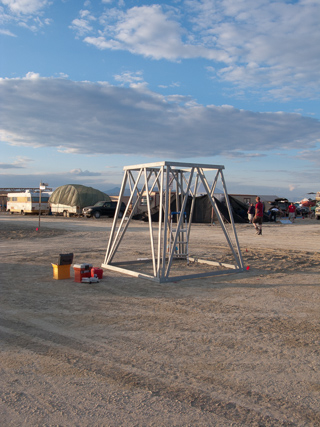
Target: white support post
231	220
178	227
115	244
217	212
123	185
165	225
150	221
192	204
160	220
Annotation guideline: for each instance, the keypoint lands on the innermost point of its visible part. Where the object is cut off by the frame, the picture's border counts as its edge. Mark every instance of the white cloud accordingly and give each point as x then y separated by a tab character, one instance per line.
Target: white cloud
272	45
84	13
62	75
80	172
133	79
25	6
268	43
148	31
7	33
81	26
20	163
32	76
24	13
311	156
82	117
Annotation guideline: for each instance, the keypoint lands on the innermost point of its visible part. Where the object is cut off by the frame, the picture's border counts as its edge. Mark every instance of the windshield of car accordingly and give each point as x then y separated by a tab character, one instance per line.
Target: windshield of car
100	203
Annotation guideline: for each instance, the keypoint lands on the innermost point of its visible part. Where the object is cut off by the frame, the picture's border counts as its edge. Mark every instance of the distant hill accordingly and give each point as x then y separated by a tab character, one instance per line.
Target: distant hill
112	191
116	190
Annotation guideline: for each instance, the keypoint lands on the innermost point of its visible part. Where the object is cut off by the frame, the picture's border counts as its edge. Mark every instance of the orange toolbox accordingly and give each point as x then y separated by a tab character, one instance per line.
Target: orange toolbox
81	271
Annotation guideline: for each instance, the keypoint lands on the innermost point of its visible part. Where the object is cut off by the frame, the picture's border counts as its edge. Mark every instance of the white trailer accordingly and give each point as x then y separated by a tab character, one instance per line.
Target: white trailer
28	202
65	210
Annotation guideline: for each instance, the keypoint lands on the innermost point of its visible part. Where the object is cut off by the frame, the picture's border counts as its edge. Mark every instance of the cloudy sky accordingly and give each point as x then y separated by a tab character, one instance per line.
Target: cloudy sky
89	87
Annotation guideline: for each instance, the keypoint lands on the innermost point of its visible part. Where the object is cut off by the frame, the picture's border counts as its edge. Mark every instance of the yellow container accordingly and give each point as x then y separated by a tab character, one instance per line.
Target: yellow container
61	271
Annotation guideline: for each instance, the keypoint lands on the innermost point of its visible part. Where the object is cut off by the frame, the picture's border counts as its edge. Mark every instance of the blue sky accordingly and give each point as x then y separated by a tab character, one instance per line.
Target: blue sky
89	87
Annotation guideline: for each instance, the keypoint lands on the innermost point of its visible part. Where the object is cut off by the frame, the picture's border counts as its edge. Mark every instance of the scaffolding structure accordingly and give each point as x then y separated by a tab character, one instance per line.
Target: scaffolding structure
168	243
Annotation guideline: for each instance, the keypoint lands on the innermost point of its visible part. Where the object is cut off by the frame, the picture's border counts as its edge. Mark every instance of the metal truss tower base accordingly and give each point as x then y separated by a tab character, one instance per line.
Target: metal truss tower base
165	244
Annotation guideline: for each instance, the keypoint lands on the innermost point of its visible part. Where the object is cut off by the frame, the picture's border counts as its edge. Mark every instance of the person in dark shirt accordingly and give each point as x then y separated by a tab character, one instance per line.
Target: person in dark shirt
251	212
257	220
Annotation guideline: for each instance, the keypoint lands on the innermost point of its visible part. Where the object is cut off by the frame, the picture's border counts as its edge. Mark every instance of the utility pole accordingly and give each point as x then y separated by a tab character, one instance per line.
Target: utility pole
42	186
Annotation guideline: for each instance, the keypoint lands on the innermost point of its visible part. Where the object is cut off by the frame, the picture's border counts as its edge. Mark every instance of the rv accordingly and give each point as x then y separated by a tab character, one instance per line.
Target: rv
28	202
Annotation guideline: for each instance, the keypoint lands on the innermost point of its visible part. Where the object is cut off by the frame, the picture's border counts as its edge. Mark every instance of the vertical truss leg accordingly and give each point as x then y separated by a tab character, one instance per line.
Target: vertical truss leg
192	205
150	221
179	224
240	262
113	241
217	212
160	220
165	225
123	185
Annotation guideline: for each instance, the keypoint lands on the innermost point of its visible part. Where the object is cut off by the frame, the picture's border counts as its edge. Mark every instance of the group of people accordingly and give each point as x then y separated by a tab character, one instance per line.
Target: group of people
255	214
290	211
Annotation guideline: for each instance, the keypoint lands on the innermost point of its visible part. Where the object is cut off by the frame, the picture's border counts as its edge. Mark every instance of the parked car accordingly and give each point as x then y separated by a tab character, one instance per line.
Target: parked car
103	209
302	210
282	205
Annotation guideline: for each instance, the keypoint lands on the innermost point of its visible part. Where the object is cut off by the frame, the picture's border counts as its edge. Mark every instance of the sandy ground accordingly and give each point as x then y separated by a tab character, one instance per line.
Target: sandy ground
233	350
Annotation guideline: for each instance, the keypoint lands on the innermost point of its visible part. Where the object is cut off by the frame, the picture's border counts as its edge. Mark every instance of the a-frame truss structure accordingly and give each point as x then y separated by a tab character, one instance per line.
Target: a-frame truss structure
166	176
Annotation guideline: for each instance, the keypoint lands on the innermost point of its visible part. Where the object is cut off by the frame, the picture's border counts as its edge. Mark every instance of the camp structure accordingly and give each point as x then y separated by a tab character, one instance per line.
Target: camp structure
203	211
163	250
70	199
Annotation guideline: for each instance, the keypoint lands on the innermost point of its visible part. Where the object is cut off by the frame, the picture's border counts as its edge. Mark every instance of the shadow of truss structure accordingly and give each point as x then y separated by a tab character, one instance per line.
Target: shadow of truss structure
169	236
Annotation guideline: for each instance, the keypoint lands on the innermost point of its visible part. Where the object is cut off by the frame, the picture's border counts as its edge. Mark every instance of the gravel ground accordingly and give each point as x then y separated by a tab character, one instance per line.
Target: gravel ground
227	350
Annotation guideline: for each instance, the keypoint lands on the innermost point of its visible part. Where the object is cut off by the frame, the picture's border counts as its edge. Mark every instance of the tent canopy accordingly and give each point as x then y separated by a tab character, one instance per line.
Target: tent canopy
203	211
77	195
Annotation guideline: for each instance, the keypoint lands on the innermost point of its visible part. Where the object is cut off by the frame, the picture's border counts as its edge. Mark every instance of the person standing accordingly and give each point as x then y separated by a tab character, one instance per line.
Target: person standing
257	220
251	212
273	214
292	212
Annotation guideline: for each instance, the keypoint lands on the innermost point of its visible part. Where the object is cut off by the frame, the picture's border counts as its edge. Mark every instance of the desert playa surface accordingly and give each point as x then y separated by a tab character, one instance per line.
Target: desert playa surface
232	350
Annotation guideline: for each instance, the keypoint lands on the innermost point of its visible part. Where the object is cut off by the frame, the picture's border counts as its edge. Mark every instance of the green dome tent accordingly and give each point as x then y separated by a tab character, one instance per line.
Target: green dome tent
71	198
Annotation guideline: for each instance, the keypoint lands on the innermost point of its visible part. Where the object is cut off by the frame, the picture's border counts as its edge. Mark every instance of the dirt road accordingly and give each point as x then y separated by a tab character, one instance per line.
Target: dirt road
234	350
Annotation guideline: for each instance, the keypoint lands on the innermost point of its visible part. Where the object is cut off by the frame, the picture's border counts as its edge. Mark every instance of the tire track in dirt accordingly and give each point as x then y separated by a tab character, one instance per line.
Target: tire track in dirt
86	359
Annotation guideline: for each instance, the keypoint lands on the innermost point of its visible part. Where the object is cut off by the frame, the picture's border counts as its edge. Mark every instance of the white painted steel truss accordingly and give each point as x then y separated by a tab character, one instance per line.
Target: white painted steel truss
187	177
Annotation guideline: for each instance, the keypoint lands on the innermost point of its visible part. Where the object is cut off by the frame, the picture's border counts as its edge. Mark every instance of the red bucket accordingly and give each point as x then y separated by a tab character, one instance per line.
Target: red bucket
97	272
